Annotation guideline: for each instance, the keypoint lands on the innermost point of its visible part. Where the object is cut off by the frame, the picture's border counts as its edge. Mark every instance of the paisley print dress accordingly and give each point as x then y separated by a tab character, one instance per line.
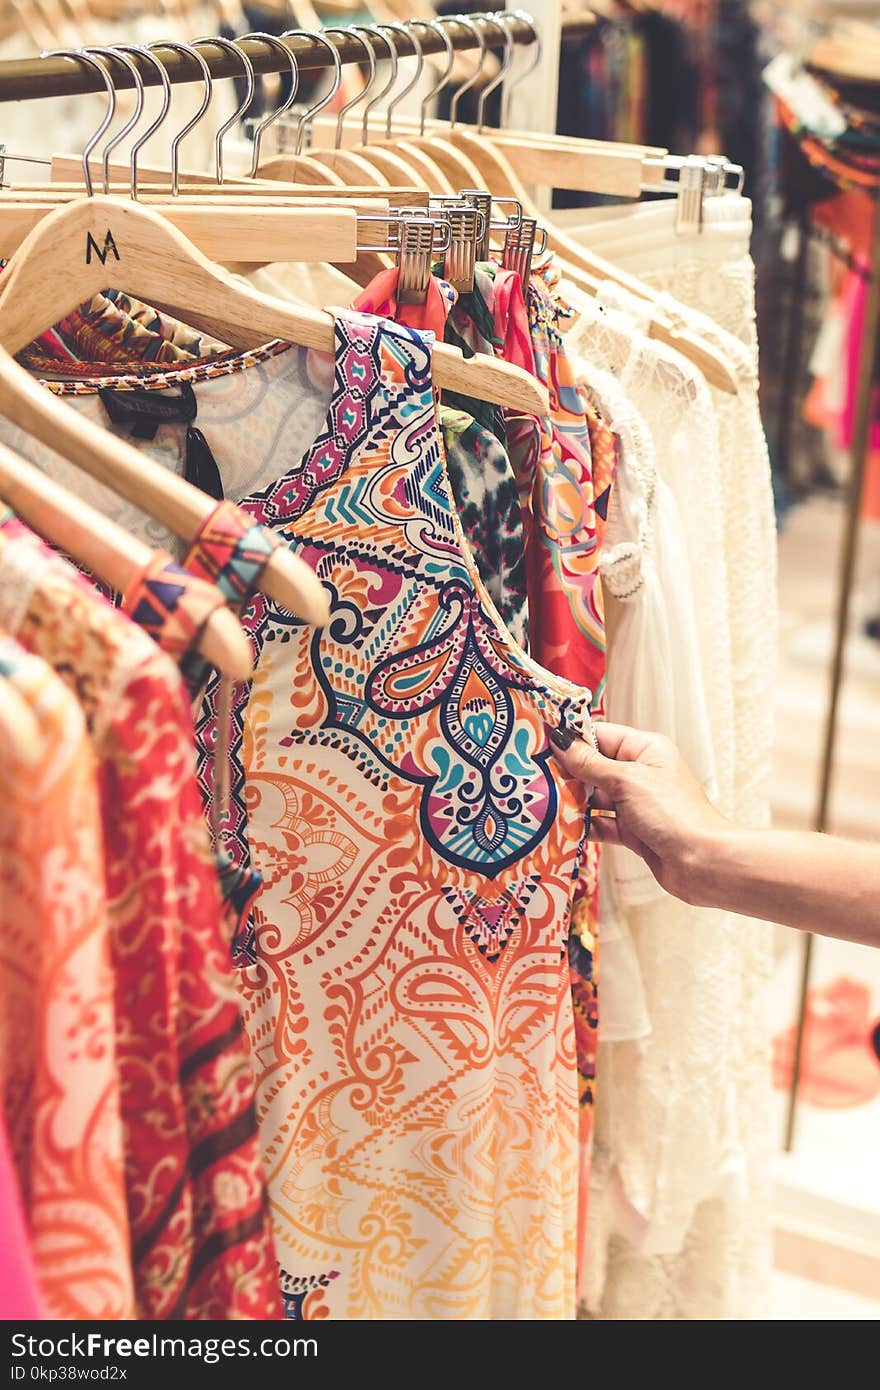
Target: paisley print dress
406	982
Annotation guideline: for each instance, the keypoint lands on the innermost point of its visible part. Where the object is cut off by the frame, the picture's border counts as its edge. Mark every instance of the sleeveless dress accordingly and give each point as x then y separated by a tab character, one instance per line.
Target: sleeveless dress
406	981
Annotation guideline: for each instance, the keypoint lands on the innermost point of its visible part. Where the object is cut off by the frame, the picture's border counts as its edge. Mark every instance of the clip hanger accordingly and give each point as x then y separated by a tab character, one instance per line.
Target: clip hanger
519	247
416	255
689	206
467	229
396	219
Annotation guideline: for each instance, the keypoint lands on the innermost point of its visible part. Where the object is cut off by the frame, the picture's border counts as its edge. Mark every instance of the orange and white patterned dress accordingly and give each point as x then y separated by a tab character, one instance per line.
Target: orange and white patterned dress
406	978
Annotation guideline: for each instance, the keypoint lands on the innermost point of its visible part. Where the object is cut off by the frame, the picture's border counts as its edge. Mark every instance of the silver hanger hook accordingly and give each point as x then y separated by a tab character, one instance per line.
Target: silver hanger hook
144	52
250	80
481	44
359	96
328	96
420	63
508	17
374	32
272	42
104	53
503	70
178	47
436	25
78	56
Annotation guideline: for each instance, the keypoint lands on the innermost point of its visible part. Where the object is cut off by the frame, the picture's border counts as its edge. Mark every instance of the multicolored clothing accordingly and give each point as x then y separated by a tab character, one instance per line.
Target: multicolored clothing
406	977
59	1085
474	439
114	671
408	1003
554	471
113	329
200	1240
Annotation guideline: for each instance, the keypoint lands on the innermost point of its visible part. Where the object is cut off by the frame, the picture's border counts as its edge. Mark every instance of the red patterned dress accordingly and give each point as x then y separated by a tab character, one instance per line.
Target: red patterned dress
201	1246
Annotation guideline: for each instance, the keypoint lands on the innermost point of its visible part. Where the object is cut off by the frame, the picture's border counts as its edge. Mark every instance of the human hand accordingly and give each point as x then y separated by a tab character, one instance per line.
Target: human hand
658	809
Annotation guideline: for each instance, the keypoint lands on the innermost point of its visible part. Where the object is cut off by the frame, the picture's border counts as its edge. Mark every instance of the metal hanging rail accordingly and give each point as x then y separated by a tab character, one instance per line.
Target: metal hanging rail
27	78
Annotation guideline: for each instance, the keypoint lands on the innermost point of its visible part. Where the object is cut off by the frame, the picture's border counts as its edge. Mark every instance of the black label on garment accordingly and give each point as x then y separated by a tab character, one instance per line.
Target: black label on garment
144	411
201	466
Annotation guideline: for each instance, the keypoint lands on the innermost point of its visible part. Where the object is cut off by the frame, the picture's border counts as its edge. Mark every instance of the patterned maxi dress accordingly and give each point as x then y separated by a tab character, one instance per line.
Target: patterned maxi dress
407	990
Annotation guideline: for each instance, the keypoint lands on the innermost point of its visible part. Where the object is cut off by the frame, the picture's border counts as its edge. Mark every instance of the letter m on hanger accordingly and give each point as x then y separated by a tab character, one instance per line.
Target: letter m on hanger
102	252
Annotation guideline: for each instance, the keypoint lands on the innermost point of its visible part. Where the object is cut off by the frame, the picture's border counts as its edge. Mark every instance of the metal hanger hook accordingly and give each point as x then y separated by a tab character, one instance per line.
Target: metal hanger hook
79	56
272	42
105	53
142	51
186	48
504	67
229	47
481	44
359	96
420	63
328	97
436	25
375	32
505	18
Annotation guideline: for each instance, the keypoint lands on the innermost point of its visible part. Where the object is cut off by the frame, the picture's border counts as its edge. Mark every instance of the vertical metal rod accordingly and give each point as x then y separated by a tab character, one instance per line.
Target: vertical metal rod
859	455
793	348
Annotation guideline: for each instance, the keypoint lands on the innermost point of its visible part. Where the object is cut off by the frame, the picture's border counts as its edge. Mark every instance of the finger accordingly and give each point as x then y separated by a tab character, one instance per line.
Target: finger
582	762
605	830
619	741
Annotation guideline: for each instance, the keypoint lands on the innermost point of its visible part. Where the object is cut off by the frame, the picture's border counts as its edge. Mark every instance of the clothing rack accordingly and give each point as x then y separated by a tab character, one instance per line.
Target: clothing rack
24	79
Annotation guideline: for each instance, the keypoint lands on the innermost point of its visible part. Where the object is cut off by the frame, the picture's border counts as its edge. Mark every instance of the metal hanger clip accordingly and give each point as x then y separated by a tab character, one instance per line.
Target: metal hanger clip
467	230
520	246
416	250
483	202
397	220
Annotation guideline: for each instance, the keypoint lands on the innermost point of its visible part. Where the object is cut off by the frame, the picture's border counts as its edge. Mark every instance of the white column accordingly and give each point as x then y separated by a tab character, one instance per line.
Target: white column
533	105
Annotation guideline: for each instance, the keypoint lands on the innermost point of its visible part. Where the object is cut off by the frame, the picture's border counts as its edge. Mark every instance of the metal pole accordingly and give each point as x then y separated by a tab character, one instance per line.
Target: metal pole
27	78
794	339
859	456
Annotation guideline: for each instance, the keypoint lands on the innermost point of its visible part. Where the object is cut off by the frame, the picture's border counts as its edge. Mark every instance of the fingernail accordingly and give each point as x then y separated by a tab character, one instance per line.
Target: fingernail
563	738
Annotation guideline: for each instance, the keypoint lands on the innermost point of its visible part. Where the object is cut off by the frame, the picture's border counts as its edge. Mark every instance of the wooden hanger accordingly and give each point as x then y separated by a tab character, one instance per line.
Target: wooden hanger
594	167
179	506
20	732
52	273
587	269
223	232
404	127
109	552
153	180
391	160
563	162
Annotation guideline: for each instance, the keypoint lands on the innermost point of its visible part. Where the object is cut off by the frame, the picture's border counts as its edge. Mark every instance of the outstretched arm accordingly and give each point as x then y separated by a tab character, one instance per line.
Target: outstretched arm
647	799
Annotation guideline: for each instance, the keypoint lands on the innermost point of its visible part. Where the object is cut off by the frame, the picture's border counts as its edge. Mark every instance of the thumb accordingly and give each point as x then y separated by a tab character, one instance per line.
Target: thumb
581	761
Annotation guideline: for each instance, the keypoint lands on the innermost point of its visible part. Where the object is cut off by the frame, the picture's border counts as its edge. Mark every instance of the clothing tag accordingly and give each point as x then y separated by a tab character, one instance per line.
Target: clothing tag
145	411
806	97
201	466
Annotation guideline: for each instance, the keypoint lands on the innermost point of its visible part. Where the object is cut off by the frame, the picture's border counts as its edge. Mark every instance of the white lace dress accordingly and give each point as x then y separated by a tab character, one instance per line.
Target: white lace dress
655	680
679	1211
